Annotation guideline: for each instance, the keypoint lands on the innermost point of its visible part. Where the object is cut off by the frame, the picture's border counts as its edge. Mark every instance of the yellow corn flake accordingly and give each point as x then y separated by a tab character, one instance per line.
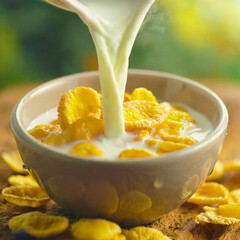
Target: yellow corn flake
14	161
142	135
55	122
38	224
19	180
136	153
40	132
171	146
119	237
217	173
25	196
102	198
234	196
165	146
180	116
78	103
225	214
95	229
152	142
166	136
144	115
86	149
232	165
55	139
84	128
143	94
174	124
210	193
134	201
145	233
127	97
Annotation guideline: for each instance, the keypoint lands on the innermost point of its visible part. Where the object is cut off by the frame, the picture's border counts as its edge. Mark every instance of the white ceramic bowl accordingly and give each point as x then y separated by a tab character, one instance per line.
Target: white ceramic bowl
128	192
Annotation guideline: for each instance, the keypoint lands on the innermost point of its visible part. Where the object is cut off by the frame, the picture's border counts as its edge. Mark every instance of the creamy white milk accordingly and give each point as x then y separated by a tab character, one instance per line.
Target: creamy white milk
113	147
114	25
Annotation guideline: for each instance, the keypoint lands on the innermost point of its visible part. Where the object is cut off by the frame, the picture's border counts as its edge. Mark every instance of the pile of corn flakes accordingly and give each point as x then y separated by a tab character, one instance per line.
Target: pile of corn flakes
221	205
24	191
159	125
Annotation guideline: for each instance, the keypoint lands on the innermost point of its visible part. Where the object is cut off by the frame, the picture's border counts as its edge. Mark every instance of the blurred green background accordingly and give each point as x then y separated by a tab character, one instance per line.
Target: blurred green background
194	38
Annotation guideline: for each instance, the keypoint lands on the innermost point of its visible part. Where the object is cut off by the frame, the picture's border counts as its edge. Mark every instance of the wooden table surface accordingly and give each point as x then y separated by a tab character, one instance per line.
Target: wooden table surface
178	224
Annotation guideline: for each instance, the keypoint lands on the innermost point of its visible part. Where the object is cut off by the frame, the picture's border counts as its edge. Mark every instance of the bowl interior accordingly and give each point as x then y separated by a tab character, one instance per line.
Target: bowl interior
165	87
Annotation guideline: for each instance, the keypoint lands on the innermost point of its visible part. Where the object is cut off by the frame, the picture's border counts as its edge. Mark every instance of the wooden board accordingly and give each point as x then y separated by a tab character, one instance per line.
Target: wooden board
178	224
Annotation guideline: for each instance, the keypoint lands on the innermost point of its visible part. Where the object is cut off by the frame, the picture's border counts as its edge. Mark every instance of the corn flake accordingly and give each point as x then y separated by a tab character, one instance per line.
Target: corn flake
84	128
165	146
145	233
14	161
142	135
166	136
232	165
144	115
234	196
180	116
78	103
38	224
95	229
119	237
54	139
134	201
19	180
40	132
217	173
210	193
143	94
127	97
25	196
225	214
86	149
174	124
136	153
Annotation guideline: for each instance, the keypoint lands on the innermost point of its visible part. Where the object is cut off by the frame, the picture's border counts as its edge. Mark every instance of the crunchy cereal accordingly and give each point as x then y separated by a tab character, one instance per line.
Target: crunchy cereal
210	193
14	161
38	224
95	229
217	173
84	128
232	165
40	132
224	214
145	233
25	196
144	115
136	153
166	146
20	180
86	149
143	94
78	103
234	196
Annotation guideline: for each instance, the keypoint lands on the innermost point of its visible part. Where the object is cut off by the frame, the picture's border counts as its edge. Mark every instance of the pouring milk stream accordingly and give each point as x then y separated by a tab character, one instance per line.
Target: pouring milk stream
113	25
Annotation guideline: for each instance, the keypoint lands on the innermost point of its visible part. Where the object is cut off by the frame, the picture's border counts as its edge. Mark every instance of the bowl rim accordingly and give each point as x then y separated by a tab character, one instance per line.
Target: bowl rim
30	141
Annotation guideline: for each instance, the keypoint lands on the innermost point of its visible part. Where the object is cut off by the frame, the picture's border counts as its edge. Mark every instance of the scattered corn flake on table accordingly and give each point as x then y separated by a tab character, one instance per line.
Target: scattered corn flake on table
178	224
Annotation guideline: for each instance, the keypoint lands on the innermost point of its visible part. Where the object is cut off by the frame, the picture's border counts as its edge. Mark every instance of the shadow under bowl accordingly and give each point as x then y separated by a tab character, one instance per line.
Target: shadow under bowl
128	192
